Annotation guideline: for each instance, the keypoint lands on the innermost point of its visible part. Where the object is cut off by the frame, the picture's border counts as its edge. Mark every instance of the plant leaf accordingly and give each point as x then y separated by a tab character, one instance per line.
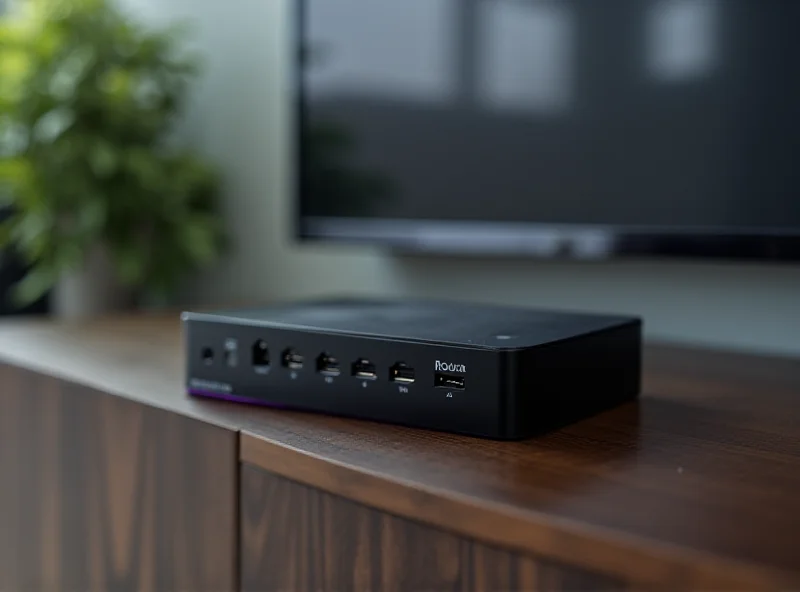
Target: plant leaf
92	216
15	172
32	228
13	138
34	285
103	159
53	124
117	84
130	264
199	239
6	233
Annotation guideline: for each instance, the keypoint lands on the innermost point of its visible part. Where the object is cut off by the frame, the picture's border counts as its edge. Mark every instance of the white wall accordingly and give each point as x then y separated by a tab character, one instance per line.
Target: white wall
240	118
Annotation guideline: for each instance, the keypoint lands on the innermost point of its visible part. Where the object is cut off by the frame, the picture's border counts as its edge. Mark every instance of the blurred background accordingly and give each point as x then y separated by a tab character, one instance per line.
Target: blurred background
239	122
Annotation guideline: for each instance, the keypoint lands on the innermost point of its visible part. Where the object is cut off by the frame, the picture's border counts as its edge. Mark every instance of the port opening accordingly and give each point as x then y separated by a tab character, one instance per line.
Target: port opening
260	354
328	365
207	355
291	359
449	381
401	372
363	369
231	353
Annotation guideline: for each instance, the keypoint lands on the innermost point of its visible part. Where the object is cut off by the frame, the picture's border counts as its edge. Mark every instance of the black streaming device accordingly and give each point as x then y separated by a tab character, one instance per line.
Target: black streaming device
496	372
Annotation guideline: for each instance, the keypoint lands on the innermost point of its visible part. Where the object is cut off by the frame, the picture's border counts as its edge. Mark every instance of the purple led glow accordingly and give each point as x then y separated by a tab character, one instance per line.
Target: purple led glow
235	398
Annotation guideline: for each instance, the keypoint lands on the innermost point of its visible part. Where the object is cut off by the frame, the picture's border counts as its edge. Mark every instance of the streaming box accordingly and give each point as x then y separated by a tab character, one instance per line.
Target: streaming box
496	372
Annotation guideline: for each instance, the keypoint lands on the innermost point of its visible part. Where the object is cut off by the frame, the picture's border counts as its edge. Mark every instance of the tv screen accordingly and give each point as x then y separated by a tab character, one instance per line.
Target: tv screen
578	127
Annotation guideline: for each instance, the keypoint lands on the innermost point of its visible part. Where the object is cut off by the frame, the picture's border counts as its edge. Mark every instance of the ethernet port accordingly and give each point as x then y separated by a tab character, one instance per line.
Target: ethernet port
260	354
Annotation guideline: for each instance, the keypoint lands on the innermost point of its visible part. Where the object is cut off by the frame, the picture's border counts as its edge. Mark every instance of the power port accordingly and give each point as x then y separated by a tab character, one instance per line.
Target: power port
207	355
292	360
260	354
401	372
363	369
328	365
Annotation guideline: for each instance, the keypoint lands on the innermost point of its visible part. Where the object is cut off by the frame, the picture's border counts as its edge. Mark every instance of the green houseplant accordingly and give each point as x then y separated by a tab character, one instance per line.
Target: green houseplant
88	99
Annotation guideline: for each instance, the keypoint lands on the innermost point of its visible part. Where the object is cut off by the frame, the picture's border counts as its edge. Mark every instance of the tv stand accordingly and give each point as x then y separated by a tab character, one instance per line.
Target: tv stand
114	479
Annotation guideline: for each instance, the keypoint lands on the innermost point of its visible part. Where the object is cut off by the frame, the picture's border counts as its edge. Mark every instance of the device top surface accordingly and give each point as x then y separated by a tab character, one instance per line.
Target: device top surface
455	323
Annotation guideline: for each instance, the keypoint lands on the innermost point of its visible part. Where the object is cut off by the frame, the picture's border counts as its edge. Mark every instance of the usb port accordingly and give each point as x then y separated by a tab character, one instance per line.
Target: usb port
328	365
400	372
292	360
364	369
449	381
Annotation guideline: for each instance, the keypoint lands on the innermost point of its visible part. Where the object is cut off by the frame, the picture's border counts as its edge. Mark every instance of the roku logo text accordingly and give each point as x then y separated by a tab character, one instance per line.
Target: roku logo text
450	367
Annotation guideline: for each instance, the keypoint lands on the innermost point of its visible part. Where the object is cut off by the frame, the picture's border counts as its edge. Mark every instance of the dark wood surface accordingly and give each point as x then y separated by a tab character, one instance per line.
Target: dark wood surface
139	358
694	485
100	493
296	537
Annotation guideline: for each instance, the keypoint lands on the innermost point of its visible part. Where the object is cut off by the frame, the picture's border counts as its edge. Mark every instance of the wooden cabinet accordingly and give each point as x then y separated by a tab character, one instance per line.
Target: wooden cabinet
102	493
113	479
296	537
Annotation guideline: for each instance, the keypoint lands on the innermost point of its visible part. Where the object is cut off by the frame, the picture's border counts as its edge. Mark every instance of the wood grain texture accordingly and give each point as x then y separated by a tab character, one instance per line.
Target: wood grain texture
99	493
696	485
296	537
138	357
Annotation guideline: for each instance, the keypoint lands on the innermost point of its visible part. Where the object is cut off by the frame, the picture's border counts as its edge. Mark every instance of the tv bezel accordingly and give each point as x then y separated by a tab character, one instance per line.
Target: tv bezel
536	240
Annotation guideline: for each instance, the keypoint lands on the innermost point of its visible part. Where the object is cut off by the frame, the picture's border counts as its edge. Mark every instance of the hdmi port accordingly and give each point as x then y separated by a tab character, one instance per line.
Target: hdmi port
328	365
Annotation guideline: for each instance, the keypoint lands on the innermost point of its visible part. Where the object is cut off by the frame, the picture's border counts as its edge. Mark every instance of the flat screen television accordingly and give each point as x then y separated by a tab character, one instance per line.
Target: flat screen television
579	128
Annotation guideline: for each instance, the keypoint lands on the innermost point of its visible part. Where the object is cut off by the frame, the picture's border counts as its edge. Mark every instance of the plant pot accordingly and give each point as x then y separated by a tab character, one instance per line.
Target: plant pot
91	291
